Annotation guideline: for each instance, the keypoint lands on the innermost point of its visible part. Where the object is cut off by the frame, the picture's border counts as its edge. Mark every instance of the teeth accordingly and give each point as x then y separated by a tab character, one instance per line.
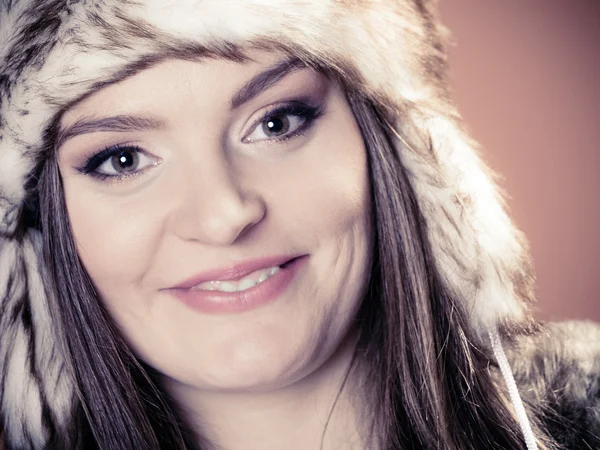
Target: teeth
226	286
263	276
246	283
236	286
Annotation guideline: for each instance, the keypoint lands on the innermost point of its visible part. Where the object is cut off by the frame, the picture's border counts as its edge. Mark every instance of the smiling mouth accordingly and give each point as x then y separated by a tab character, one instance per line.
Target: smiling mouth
244	283
236	289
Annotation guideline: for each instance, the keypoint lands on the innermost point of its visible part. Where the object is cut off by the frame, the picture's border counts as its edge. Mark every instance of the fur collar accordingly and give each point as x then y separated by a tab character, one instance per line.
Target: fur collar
558	374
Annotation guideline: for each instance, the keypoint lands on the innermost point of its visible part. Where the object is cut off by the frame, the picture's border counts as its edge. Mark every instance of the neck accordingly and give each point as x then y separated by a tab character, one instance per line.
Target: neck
320	412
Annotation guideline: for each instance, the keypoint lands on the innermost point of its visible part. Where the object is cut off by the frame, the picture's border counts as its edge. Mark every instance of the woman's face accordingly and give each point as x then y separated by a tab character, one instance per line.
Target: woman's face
225	223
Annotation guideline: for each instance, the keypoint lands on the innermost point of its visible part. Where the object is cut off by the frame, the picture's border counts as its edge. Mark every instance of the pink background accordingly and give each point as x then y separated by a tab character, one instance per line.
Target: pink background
526	76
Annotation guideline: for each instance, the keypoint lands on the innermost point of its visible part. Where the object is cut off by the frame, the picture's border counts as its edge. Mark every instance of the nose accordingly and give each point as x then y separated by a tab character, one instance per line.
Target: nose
216	208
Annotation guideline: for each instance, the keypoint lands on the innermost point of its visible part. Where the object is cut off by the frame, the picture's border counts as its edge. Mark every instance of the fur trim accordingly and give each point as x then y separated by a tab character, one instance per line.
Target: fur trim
36	390
558	373
54	53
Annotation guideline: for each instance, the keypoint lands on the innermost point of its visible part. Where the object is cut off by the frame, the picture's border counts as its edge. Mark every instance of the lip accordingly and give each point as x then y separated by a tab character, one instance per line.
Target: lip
218	302
235	271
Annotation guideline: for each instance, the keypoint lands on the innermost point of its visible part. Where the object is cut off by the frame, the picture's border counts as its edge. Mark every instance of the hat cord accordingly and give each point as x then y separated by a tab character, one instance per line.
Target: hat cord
513	392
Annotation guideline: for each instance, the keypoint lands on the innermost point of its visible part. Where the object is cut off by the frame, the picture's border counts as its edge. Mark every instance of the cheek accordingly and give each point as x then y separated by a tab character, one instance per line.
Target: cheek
322	199
326	188
115	238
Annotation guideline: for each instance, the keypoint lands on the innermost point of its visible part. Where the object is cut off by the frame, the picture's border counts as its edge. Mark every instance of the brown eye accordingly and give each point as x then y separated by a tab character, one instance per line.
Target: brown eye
276	125
125	161
283	123
119	161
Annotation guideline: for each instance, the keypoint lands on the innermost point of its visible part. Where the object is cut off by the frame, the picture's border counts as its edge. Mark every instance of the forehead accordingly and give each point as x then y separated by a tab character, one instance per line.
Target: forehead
213	81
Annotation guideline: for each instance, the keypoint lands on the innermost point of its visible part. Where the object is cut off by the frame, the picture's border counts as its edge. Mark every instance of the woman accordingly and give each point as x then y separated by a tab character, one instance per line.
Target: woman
254	224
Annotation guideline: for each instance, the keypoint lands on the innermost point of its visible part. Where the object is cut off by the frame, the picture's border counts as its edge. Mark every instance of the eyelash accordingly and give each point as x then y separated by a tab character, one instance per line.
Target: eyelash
91	165
308	113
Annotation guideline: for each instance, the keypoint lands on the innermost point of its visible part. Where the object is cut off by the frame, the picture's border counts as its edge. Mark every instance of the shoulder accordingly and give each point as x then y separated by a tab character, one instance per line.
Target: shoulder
558	373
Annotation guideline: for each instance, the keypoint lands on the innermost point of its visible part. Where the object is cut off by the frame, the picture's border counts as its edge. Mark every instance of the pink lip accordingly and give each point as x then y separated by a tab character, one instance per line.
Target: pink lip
234	272
217	302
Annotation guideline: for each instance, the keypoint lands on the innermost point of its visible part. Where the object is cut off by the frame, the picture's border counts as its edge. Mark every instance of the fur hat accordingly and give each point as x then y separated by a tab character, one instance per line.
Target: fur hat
55	52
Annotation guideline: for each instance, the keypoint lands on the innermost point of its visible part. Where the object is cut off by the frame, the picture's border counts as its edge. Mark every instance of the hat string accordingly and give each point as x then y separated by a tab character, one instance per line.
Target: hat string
513	392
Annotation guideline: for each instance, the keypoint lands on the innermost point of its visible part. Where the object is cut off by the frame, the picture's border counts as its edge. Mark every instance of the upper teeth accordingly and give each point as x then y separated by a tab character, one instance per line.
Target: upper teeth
247	282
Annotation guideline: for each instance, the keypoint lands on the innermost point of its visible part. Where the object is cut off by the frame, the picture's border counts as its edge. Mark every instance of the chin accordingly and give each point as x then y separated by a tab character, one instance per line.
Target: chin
259	365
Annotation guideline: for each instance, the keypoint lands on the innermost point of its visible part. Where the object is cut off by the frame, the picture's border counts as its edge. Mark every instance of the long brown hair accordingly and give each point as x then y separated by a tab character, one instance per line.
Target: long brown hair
430	375
431	383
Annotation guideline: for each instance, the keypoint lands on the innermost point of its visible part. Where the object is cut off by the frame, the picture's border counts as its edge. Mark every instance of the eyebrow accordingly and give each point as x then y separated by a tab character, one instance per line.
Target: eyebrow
261	82
121	123
126	123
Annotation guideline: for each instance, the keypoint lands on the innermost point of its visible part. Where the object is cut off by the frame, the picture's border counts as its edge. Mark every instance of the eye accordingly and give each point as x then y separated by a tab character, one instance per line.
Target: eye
118	161
283	123
276	126
124	161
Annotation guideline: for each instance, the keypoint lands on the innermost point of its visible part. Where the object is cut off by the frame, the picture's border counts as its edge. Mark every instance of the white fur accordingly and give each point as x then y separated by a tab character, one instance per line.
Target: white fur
57	383
21	396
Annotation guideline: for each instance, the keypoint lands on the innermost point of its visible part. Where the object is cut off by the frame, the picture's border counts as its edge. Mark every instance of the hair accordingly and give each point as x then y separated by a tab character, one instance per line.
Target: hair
430	386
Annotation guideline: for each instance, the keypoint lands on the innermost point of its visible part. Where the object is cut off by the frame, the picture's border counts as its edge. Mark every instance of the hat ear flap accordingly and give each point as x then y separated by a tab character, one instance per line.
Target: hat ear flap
35	385
477	249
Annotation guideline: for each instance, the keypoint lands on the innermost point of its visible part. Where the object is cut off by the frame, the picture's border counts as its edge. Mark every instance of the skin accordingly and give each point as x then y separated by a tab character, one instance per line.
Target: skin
207	198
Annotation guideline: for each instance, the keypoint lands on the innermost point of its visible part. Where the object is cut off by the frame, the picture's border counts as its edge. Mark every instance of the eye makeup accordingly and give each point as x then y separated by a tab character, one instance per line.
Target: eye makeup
304	114
126	154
